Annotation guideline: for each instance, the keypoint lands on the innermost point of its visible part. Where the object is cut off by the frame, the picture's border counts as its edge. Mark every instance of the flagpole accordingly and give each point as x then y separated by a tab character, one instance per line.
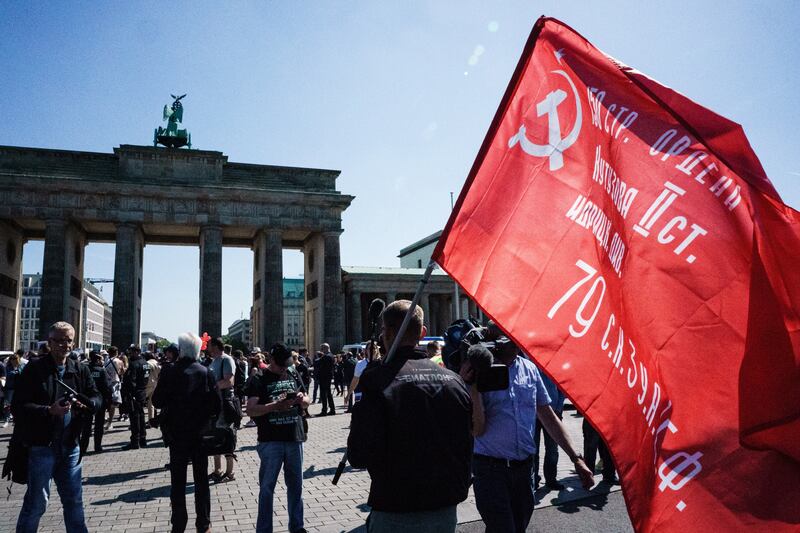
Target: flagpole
407	319
395	344
456	303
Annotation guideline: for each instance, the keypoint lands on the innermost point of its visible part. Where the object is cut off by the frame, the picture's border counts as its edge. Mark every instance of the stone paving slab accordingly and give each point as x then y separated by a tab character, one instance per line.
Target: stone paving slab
128	491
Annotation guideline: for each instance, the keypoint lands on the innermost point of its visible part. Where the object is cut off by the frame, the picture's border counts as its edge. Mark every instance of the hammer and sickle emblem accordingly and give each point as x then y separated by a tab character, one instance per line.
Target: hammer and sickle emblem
555	143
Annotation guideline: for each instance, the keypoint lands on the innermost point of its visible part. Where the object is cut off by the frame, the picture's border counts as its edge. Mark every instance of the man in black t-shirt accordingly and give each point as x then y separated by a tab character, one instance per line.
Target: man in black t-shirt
275	400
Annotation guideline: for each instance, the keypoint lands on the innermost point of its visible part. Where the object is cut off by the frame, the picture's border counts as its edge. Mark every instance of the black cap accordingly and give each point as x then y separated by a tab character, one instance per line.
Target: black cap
280	353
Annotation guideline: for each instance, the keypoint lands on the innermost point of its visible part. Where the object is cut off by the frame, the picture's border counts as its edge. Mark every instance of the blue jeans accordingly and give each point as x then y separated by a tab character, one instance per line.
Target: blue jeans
442	520
273	455
61	464
503	495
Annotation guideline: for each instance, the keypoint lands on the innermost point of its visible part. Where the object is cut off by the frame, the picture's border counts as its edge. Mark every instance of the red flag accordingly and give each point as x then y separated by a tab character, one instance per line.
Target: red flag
205	338
631	242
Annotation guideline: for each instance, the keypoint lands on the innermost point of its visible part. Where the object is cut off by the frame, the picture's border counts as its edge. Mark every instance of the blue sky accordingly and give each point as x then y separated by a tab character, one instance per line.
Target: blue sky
396	95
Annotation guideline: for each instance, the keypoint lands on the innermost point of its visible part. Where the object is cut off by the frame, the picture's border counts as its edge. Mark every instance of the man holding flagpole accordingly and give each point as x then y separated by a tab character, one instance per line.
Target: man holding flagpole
411	430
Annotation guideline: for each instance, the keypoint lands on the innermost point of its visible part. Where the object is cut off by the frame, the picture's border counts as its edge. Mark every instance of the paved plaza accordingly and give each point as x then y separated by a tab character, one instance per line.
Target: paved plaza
128	491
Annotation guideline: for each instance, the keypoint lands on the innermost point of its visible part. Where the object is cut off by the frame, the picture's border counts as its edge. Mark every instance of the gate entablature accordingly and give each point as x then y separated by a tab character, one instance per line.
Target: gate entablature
142	194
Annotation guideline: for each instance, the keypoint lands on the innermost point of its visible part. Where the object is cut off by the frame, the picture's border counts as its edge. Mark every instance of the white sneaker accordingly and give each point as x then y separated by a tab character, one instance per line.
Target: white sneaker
5	424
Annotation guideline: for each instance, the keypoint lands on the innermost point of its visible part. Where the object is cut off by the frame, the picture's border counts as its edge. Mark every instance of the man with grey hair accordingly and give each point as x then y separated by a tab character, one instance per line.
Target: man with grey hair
187	394
49	418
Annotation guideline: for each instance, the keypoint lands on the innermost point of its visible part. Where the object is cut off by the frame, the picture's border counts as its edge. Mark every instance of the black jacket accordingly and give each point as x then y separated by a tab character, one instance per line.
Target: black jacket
349	367
187	393
101	382
36	390
323	368
134	382
412	431
302	371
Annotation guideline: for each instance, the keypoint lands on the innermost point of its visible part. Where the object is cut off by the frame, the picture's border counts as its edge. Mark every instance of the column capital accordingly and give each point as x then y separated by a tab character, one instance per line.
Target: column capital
127	224
271	230
55	221
133	227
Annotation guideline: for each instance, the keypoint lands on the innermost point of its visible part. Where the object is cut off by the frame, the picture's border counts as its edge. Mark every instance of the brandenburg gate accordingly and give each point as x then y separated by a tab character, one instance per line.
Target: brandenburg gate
139	195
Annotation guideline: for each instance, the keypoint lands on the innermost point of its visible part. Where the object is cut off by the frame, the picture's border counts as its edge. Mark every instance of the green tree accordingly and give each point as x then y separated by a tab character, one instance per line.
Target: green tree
236	344
163	343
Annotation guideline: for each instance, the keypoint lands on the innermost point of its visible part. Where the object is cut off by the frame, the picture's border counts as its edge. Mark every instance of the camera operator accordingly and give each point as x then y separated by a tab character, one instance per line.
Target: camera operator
49	420
503	426
410	407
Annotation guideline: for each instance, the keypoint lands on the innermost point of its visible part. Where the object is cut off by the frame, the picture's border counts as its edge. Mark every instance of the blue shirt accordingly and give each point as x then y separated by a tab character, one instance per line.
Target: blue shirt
511	414
556	396
61	424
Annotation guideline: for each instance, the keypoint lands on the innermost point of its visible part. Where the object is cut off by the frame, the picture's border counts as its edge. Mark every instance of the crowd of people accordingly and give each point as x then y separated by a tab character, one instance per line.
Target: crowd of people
196	397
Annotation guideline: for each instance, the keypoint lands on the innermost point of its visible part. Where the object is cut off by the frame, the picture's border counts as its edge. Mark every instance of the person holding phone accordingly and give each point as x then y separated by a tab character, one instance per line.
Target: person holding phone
275	400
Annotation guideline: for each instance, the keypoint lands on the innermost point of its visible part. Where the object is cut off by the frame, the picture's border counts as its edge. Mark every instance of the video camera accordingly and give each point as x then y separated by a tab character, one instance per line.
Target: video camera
465	340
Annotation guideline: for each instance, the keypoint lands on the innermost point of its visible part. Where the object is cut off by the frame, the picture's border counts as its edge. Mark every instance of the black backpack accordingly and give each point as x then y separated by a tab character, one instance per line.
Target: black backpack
15	467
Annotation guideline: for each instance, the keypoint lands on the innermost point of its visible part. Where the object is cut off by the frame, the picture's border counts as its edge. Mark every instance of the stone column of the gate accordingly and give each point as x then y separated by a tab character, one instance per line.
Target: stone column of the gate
313	254
128	263
211	280
333	316
62	276
268	288
11	242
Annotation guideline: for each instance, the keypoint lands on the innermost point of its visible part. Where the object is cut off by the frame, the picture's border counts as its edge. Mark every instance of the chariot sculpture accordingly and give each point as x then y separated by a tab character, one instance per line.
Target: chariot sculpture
172	136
